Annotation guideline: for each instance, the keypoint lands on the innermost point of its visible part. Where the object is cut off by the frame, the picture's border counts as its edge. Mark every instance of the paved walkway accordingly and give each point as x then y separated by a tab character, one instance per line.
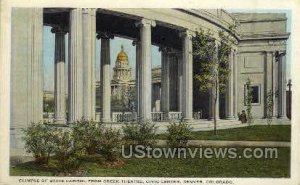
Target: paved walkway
205	125
232	143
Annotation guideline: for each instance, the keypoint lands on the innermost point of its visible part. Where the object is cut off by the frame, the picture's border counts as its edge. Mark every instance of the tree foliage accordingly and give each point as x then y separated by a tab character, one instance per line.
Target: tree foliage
269	106
249	98
40	140
211	63
179	134
142	133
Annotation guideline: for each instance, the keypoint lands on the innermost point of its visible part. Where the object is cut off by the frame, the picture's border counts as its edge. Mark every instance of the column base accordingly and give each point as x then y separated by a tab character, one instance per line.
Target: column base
283	118
230	118
212	118
105	120
59	121
188	120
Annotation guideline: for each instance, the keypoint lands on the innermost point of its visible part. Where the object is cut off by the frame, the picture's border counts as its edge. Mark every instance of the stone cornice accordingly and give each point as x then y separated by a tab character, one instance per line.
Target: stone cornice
265	37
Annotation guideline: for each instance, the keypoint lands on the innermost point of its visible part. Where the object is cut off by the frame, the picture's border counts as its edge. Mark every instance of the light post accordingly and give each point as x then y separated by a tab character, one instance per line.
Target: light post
290	98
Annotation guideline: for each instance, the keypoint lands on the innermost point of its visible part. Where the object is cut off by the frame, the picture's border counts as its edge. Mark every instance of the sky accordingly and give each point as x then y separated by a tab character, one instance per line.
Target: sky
115	47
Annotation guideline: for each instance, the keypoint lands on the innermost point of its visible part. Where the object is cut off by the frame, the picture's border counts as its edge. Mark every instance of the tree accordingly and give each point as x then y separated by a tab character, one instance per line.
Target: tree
212	61
249	98
269	105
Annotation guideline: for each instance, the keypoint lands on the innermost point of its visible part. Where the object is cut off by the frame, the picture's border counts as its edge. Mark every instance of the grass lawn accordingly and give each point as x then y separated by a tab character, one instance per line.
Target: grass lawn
251	133
188	167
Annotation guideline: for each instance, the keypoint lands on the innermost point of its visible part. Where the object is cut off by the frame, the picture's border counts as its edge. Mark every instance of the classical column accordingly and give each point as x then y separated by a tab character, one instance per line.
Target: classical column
214	92
145	68
165	80
282	86
59	76
180	81
26	81
89	42
105	85
173	77
75	82
275	85
137	45
187	74
268	83
235	90
230	88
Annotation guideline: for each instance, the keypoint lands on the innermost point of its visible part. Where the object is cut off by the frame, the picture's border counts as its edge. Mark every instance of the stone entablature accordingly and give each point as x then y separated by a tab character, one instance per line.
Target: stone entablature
262	26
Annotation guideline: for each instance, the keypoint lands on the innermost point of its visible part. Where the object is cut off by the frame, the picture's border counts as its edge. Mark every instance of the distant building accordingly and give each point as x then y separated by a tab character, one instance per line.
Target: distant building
123	85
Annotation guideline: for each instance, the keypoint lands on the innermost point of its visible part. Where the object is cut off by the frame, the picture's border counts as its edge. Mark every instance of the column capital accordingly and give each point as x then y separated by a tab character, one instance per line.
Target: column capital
279	54
135	42
104	35
164	49
91	11
189	33
144	22
59	29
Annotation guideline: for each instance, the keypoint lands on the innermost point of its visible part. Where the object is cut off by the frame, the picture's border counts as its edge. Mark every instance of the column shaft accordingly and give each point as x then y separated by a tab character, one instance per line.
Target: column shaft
165	82
75	83
282	86
230	89
137	77
89	31
105	80
26	81
187	74
180	82
275	85
235	91
173	73
145	69
268	78
59	78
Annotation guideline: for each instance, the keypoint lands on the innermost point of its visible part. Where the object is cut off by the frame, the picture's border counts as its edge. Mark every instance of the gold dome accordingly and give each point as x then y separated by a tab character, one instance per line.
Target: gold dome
122	57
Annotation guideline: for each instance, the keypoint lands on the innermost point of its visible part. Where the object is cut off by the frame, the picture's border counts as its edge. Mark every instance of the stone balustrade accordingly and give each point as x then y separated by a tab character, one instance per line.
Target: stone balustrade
48	117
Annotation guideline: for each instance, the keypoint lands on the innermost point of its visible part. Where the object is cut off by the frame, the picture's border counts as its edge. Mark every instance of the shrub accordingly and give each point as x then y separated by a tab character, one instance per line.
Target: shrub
67	151
110	144
87	133
179	134
140	134
40	139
